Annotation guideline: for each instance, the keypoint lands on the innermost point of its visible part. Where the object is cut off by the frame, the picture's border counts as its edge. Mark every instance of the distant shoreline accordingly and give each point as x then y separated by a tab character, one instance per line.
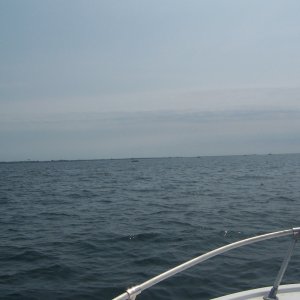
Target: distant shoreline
138	158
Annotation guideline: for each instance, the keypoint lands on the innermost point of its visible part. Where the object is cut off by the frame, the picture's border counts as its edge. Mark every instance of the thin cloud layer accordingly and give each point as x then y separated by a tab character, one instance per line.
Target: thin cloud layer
151	134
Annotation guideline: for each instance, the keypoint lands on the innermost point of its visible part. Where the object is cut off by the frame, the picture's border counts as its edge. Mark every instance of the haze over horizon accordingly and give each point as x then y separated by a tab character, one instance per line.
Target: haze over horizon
111	79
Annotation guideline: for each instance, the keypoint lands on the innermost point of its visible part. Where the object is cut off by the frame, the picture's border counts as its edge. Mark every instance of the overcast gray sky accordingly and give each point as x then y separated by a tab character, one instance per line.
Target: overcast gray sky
110	79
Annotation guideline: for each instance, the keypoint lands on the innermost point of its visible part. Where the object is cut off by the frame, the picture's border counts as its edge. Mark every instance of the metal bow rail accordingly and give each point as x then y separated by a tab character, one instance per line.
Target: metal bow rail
131	293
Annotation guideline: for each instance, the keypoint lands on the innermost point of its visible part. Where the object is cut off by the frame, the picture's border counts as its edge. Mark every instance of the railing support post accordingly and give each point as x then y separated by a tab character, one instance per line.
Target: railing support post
272	294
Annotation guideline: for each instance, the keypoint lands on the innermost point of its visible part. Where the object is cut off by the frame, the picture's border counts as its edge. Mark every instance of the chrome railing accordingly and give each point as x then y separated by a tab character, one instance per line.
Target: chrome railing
131	293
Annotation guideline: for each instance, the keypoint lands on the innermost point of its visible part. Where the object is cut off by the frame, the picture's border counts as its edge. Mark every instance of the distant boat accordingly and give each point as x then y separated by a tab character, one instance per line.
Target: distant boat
276	292
134	160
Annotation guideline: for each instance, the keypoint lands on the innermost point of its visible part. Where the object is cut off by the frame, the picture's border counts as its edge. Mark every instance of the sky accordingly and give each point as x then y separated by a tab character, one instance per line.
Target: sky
88	79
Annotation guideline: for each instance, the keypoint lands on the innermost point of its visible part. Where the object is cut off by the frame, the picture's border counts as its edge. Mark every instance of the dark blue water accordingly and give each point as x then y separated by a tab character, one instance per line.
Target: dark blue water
90	229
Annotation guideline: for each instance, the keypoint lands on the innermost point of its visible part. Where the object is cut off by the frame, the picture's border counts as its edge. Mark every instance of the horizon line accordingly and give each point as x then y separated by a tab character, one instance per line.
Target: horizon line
136	158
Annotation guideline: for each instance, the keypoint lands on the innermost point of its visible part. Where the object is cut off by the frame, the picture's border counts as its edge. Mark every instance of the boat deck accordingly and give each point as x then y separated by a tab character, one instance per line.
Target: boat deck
285	292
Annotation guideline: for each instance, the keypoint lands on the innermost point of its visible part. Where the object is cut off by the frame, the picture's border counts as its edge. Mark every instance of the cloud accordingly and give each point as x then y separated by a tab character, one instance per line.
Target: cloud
157	100
150	133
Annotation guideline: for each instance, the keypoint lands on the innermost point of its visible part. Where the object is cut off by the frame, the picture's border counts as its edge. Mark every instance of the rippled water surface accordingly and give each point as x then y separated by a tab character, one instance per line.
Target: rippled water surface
90	229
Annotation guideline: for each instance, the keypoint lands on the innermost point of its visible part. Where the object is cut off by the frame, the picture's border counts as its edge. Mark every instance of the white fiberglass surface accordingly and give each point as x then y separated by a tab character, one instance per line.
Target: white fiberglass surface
285	292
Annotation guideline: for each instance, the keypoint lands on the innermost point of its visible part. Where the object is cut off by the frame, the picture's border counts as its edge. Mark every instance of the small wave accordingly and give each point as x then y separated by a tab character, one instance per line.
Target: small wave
281	199
4	200
142	178
56	214
74	196
151	261
252	177
82	194
28	256
179	223
232	234
286	199
144	190
51	272
141	237
88	246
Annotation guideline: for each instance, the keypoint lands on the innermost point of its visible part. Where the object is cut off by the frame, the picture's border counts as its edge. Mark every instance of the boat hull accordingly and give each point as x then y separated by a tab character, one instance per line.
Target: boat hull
285	292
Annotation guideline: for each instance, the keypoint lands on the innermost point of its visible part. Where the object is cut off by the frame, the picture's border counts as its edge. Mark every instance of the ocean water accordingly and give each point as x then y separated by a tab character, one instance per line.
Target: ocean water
90	229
